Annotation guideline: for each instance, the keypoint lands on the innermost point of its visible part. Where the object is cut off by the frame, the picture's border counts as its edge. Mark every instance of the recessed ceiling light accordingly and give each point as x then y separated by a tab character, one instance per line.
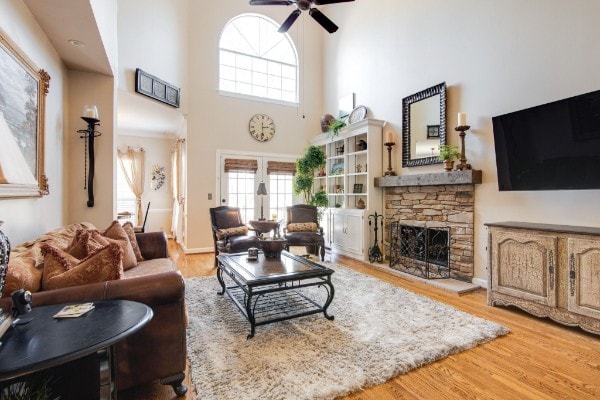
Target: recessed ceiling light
76	43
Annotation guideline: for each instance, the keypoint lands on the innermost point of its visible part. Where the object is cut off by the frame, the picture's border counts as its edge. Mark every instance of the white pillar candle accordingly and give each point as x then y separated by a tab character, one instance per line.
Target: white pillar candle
389	137
90	112
462	119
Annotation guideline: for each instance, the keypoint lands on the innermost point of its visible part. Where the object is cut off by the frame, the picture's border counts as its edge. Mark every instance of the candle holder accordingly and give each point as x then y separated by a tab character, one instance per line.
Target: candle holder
89	135
463	159
389	172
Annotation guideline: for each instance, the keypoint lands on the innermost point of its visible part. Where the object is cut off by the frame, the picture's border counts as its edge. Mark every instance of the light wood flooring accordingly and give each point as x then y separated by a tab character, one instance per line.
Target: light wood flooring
539	359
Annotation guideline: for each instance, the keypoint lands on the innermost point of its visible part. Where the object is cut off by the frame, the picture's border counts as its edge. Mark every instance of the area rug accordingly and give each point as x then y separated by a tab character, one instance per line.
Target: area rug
379	331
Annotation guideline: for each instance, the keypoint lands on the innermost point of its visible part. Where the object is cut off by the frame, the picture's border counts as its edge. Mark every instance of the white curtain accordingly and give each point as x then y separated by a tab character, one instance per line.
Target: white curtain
177	186
133	165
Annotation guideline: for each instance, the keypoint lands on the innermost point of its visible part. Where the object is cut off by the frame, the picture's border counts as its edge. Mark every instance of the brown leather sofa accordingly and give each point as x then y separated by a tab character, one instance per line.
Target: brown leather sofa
157	351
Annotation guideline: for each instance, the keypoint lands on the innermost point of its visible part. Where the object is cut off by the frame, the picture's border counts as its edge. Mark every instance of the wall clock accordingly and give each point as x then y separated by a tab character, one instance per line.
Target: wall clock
261	127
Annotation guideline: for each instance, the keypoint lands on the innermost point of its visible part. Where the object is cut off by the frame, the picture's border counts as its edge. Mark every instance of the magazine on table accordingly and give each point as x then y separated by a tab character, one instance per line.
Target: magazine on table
74	310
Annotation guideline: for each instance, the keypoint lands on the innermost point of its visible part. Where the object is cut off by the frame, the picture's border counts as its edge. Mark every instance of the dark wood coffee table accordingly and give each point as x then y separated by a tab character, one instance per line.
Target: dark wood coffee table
46	342
271	289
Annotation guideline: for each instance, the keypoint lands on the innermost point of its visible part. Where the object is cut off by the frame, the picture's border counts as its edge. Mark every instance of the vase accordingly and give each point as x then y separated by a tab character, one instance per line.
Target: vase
4	256
360	204
448	165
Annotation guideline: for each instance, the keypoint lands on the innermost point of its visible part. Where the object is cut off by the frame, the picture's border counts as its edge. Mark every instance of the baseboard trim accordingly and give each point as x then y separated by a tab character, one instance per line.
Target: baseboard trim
481	282
197	250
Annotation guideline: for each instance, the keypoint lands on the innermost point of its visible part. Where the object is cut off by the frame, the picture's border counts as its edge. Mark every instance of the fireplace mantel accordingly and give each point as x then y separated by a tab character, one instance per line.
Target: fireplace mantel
467	177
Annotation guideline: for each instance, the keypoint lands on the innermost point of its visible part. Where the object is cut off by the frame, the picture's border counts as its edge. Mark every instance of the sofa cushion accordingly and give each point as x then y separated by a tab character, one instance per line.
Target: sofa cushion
128	227
63	270
22	274
150	267
235	231
302	227
115	232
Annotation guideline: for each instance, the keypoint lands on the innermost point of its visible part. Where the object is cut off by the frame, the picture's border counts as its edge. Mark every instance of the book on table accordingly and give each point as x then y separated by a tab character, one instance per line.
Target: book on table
74	310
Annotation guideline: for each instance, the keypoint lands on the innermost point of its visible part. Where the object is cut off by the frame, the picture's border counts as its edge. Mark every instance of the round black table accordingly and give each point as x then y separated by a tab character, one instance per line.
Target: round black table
47	342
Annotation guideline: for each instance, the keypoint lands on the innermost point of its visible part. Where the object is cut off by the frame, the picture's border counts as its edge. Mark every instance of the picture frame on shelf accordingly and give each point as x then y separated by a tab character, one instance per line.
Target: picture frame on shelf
337	168
358	188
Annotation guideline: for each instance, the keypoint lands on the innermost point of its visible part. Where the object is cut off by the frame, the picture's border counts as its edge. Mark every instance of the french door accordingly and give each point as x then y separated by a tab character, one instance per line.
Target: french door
239	179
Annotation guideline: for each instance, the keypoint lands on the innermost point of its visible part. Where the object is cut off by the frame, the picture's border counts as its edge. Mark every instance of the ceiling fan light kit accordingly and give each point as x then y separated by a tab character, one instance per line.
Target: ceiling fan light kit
302	5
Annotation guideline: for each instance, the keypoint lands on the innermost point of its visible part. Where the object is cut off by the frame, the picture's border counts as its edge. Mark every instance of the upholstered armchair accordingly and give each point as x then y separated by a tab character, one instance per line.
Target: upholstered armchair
302	229
230	235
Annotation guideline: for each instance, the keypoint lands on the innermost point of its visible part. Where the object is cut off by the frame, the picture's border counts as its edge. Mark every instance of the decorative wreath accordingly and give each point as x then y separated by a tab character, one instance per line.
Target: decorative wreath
158	177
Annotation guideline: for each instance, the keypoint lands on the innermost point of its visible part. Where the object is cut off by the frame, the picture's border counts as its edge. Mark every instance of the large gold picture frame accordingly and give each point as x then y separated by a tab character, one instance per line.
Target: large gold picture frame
23	90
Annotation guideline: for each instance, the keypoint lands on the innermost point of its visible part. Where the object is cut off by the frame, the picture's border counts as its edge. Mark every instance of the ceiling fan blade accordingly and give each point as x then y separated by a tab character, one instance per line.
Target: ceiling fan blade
323	20
271	2
289	21
324	2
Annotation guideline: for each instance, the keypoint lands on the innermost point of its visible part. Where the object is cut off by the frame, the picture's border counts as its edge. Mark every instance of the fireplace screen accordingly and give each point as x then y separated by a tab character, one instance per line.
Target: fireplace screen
420	251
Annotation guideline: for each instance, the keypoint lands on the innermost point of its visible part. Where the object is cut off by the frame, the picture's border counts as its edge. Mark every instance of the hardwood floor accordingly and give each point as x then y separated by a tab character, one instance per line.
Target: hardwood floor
539	359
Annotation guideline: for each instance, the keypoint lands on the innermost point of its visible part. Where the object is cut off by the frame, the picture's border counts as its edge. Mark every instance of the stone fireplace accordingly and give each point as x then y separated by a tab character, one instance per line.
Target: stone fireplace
439	201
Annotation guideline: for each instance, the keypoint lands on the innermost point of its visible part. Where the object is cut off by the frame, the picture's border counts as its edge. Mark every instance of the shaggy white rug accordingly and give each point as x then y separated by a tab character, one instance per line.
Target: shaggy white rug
379	331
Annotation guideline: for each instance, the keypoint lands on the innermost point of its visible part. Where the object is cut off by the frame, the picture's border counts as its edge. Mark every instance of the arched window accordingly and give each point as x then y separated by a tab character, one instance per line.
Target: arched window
256	60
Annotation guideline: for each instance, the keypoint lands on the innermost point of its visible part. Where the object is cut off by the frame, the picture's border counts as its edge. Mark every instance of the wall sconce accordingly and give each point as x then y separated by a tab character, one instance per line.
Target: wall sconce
262	191
89	115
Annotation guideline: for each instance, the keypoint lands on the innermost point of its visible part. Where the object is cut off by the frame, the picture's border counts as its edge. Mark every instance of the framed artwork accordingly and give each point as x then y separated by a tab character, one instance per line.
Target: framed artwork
23	90
358	188
151	86
433	131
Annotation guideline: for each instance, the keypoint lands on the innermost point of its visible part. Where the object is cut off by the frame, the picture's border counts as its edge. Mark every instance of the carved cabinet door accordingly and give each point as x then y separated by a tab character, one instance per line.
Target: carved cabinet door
584	277
524	265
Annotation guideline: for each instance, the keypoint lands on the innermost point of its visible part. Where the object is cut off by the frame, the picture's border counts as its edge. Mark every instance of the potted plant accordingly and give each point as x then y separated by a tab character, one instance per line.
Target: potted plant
313	160
448	154
335	126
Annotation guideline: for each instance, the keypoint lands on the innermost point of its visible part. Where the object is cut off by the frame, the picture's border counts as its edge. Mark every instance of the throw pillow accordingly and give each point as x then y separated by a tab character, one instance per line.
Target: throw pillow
128	226
235	231
22	273
63	270
83	244
302	227
117	233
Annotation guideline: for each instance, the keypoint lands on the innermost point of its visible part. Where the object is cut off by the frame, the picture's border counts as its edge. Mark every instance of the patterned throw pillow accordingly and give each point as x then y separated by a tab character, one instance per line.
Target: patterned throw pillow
117	233
83	244
22	273
302	227
63	270
128	226
235	231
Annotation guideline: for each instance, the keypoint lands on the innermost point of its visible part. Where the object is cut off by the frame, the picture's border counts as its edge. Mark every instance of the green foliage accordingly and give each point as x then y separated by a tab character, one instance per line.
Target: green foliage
449	153
36	386
313	160
335	127
319	199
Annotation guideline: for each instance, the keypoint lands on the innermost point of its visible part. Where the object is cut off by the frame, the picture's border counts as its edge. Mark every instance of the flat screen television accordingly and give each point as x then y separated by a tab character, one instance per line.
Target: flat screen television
554	146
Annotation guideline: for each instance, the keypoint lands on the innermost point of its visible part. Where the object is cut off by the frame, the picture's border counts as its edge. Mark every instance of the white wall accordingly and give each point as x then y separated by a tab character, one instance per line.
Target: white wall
27	218
158	152
495	57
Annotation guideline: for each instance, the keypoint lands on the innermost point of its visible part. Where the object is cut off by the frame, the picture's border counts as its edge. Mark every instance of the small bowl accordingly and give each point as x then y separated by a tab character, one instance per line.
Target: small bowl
272	247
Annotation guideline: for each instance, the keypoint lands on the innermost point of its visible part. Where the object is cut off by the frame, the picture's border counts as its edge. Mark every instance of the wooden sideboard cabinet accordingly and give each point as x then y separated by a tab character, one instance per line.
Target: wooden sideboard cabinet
547	270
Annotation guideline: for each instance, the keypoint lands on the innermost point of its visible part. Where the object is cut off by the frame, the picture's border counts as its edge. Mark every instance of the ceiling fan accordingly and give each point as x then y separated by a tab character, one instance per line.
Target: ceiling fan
302	5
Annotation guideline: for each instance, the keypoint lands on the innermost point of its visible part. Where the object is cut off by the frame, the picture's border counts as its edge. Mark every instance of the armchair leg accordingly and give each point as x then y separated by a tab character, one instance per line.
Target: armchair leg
322	252
177	383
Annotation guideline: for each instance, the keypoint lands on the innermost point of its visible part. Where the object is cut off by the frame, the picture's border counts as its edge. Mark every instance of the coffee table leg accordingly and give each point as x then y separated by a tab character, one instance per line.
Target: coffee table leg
330	293
220	278
108	389
250	313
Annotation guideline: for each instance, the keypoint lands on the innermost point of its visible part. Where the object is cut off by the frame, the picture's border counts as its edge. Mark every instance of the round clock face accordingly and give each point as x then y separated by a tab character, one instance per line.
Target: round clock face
262	127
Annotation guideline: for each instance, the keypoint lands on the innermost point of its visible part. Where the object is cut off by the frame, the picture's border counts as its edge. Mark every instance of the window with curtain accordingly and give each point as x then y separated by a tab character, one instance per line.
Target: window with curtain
126	202
255	60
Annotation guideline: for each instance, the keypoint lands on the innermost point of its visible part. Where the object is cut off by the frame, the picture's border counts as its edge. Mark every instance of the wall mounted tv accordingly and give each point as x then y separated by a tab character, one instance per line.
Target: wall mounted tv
554	146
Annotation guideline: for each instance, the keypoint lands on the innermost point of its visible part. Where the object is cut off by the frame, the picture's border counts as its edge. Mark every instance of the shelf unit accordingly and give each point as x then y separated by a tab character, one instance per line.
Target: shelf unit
354	159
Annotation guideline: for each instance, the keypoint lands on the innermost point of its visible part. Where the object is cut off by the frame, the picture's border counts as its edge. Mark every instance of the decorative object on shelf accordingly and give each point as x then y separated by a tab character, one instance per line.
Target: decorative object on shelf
360	204
335	126
151	86
23	90
272	247
339	151
358	188
375	254
345	105
448	154
313	160
261	127
158	177
337	168
389	143
89	115
4	257
338	189
361	145
326	120
358	114
358	168
261	191
462	128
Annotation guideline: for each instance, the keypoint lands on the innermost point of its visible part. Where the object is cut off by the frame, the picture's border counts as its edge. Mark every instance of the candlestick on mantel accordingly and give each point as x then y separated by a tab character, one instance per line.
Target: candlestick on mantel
389	137
462	119
463	159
